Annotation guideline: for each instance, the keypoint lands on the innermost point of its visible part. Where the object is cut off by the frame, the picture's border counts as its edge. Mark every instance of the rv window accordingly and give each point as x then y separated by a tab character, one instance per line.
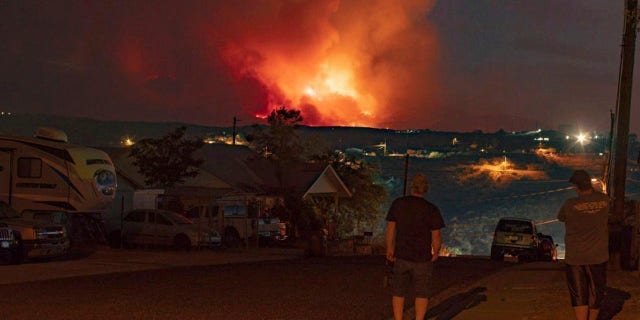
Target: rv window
29	167
97	161
234	210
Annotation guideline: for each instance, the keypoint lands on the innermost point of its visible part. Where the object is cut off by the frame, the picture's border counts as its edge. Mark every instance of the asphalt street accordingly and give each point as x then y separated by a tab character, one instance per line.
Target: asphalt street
296	287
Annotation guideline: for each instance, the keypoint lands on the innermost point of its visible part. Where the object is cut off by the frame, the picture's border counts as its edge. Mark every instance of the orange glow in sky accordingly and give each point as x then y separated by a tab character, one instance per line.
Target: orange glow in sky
348	63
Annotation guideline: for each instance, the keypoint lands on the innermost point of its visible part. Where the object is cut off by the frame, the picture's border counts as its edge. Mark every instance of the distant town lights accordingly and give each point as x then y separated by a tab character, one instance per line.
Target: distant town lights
127	142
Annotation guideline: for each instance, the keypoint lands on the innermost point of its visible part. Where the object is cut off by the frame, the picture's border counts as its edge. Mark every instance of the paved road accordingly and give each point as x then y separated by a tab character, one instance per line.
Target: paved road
294	288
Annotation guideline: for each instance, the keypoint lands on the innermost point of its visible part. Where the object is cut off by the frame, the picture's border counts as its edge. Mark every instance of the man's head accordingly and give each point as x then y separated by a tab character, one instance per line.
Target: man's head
581	180
419	184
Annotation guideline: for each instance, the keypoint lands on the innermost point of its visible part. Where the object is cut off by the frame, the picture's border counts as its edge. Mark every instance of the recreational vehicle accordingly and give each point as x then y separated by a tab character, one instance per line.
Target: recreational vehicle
47	178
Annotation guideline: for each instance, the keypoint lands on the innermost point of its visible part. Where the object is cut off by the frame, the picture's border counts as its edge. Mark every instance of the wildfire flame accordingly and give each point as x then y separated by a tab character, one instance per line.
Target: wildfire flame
353	63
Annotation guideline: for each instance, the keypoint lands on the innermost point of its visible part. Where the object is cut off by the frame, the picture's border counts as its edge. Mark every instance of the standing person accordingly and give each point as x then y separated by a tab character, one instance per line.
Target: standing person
587	245
413	243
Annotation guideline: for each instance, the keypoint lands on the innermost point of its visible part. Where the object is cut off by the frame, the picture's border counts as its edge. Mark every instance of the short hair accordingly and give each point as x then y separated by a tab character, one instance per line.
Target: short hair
419	183
581	179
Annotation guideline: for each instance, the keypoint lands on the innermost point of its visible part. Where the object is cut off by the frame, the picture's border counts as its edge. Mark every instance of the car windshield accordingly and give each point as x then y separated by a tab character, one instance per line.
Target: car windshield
515	226
7	212
177	219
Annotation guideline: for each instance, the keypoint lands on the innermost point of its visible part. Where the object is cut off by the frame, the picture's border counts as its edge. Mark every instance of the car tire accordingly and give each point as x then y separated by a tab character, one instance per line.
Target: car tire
547	249
496	253
231	238
182	242
115	239
19	254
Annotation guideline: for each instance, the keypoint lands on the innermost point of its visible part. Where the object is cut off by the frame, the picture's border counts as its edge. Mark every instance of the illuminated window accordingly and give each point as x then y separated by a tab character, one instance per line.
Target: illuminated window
29	167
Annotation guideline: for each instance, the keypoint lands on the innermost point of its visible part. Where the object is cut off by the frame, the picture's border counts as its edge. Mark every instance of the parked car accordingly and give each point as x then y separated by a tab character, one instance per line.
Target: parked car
8	244
31	238
155	227
516	237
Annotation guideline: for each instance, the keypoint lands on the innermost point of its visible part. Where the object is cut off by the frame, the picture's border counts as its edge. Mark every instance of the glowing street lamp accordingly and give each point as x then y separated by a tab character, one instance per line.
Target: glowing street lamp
582	138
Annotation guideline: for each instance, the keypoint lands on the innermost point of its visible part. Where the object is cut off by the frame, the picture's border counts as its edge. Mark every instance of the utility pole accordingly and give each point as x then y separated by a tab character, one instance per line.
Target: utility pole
235	120
622	117
606	175
624	107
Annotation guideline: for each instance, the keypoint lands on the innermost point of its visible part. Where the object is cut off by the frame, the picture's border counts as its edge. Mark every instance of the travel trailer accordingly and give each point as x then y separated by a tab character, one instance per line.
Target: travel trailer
47	178
239	220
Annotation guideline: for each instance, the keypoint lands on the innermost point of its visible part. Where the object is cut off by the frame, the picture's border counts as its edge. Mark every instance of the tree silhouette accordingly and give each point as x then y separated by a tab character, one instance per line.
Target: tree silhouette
167	161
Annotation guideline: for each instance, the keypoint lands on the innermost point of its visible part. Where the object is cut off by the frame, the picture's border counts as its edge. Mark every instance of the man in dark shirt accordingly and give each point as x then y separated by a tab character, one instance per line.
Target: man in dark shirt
587	245
413	244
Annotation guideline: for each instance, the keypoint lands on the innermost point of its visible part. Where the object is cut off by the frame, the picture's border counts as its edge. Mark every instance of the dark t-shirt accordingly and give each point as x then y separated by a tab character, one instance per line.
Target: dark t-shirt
586	224
415	218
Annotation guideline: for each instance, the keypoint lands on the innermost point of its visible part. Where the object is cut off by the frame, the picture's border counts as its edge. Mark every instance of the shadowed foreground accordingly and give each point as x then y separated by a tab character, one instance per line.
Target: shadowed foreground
311	288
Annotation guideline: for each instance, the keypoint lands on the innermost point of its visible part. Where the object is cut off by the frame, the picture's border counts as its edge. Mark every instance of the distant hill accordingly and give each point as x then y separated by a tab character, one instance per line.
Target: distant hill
101	133
98	133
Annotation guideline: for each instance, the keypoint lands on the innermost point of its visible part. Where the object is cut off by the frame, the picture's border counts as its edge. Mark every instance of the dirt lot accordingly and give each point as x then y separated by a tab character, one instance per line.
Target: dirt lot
305	288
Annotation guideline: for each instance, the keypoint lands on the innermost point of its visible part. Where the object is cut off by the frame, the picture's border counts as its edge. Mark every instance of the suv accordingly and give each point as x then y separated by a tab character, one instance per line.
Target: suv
516	237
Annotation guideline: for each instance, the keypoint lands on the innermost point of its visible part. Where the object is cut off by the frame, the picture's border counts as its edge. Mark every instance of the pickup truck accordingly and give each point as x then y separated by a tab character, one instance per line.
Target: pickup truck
26	238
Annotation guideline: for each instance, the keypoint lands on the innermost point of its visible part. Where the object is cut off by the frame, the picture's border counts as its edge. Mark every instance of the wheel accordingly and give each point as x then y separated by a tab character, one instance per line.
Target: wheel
231	238
182	242
546	250
496	253
18	255
115	239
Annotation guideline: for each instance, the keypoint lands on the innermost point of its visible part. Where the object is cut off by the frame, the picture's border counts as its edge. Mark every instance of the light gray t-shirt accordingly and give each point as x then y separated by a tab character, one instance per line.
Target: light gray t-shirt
587	230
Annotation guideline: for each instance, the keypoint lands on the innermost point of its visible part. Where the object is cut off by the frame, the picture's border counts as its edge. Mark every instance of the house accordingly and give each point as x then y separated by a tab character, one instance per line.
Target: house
229	175
132	191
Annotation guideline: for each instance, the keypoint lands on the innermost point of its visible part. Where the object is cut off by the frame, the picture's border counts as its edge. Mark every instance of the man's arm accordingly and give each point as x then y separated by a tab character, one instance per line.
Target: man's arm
391	232
562	215
436	241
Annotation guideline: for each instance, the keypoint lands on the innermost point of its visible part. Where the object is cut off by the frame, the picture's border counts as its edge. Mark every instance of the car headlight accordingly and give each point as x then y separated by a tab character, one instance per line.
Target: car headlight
106	181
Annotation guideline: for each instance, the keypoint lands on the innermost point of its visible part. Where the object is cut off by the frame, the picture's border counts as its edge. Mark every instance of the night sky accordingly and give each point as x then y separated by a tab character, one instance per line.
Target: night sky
455	65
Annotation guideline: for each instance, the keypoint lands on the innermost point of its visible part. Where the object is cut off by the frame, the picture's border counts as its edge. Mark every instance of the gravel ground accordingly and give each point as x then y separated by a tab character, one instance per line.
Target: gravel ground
306	288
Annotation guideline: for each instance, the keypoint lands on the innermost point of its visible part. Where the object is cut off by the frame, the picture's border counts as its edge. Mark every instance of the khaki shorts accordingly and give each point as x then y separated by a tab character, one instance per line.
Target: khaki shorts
410	275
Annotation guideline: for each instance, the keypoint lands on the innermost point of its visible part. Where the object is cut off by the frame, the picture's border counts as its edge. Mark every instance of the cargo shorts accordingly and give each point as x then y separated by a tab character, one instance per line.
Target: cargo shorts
411	275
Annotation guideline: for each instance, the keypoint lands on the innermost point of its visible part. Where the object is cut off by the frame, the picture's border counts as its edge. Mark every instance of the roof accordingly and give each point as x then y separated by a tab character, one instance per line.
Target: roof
127	170
242	171
229	163
328	182
306	179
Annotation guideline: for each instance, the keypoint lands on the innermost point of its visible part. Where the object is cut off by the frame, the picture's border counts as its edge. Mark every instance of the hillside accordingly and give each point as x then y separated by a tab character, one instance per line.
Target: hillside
101	133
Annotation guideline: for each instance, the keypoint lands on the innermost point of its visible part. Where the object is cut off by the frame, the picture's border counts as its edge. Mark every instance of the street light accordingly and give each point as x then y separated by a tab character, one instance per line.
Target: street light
582	138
